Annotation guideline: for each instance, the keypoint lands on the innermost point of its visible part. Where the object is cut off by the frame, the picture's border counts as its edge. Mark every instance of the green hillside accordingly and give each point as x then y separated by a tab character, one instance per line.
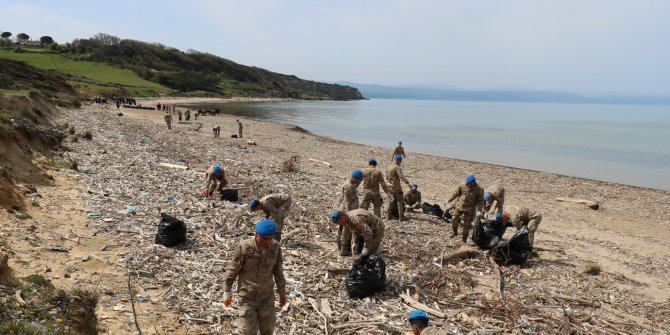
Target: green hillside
87	75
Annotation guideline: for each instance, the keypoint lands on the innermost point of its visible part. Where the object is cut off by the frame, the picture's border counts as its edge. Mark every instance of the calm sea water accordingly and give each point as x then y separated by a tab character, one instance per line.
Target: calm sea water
618	143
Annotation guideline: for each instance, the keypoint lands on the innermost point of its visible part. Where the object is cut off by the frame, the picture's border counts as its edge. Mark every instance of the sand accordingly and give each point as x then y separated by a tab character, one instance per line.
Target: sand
629	235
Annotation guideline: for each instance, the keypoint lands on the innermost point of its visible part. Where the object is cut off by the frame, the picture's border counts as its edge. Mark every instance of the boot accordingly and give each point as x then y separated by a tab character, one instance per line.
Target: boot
404	218
465	238
345	250
454	233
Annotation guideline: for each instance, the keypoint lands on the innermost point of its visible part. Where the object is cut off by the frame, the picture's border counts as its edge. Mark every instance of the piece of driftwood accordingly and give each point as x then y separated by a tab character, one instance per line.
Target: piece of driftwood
587	203
320	162
19	298
174	166
584	302
462	253
416	304
500	279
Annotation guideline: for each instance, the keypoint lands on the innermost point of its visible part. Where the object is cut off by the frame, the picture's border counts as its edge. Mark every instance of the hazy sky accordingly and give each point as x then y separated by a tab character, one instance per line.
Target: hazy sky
586	46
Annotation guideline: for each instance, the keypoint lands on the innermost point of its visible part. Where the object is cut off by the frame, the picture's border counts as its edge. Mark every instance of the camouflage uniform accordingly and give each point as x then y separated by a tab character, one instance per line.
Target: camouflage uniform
239	128
412	199
367	225
497	195
168	120
432	331
258	272
469	201
215	178
394	175
276	206
372	179
348	201
522	216
398	151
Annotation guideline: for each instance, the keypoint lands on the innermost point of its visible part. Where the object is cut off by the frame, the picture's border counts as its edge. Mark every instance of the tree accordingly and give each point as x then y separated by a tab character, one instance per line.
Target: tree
22	37
6	35
46	40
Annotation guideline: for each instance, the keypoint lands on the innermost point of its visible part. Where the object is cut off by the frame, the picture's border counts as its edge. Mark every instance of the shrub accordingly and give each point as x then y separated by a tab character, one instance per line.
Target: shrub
74	165
36	280
87	135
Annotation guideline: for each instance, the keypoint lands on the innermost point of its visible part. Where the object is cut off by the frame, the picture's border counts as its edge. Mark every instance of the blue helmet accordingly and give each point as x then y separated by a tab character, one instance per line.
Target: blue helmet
253	203
357	174
266	227
216	168
470	179
418	314
372	161
487	196
413	186
397	157
335	215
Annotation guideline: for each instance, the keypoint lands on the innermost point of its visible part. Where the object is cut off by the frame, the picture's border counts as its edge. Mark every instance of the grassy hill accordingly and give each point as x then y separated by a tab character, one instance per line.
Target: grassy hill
87	75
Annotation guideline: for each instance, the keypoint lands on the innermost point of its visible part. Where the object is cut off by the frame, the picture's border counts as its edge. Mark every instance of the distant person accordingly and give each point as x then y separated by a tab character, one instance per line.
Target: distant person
372	179
187	115
257	267
217	131
393	176
418	320
179	115
348	202
399	150
494	194
365	224
168	120
195	115
239	128
412	198
470	203
216	179
275	206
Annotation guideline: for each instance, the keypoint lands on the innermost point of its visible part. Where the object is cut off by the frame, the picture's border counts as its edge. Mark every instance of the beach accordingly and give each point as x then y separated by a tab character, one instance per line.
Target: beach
627	237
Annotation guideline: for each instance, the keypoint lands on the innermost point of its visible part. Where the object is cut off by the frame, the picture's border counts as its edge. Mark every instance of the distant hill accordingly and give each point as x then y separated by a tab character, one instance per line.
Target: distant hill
199	72
430	93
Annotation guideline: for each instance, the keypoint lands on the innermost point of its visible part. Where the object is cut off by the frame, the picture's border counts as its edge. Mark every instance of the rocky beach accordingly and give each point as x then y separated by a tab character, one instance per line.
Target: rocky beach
95	229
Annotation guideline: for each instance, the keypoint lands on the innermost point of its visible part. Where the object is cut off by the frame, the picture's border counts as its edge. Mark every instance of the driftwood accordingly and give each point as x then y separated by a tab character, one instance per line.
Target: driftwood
500	279
320	162
462	253
587	203
19	298
416	304
174	166
584	302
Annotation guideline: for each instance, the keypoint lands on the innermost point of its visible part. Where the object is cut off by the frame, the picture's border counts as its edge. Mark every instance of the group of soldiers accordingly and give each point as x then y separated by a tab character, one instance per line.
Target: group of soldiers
257	262
187	115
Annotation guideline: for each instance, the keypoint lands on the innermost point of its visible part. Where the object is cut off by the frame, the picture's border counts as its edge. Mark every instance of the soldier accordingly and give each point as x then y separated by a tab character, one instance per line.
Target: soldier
412	198
418	319
274	205
178	114
239	128
363	223
470	198
399	150
217	131
214	175
257	263
522	216
372	179
494	193
348	201
168	120
394	175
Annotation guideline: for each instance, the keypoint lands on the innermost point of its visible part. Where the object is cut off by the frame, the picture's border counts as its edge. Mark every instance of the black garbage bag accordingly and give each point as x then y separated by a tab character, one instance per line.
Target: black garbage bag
432	209
394	210
367	276
447	215
171	231
229	194
487	233
514	251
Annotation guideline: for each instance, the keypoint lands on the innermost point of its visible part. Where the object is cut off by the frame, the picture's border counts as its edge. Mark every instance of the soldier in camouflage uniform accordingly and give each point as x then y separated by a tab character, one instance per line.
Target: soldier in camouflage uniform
363	223
418	319
257	265
348	201
275	206
412	198
399	150
470	198
214	176
372	179
522	216
394	175
494	193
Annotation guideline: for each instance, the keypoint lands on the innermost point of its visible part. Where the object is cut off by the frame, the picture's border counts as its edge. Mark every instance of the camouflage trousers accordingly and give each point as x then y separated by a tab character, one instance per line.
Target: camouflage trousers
257	315
468	217
532	227
375	198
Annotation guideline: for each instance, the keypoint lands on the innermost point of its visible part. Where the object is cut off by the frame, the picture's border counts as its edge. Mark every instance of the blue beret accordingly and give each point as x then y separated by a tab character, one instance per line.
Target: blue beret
253	203
487	196
498	216
413	185
216	168
335	215
266	227
418	314
397	157
358	174
470	179
372	161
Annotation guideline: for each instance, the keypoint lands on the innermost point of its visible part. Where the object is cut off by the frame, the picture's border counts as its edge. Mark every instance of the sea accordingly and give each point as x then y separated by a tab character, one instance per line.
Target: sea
627	144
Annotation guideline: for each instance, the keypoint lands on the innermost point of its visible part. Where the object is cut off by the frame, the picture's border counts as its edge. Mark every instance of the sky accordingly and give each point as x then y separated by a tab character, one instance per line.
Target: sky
582	46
